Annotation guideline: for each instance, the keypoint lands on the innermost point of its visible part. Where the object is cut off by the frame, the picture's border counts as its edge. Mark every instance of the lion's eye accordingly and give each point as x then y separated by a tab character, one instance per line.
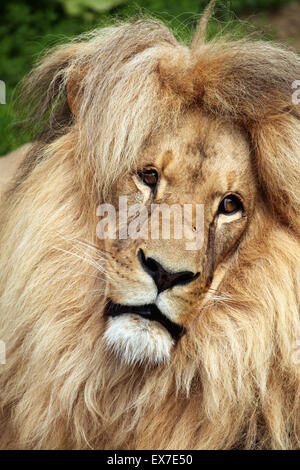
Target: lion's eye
230	204
149	177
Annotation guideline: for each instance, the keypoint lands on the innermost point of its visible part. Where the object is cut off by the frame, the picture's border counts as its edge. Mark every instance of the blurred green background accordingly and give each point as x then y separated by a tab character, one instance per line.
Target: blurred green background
29	27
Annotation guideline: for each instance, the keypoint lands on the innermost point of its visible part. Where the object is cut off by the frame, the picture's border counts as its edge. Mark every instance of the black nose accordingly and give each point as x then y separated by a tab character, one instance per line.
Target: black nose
162	278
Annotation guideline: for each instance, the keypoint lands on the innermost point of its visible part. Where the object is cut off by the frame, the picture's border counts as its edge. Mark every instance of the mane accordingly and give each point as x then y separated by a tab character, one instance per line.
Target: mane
144	78
98	101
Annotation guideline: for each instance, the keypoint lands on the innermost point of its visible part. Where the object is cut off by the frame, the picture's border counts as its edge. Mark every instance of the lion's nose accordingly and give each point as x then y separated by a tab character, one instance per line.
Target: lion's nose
162	278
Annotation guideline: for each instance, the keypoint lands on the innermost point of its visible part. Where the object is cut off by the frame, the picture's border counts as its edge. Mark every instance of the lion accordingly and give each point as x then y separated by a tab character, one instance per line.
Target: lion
136	342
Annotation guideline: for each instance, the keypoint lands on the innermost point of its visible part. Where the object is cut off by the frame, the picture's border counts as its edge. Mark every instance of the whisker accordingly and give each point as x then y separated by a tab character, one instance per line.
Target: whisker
90	261
91	245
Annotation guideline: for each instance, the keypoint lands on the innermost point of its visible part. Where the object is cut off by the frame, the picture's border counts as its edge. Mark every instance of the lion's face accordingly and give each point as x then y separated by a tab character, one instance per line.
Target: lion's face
155	286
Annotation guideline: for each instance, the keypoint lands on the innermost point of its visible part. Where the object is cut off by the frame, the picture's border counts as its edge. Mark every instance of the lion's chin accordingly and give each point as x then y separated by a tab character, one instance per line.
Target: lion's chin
137	340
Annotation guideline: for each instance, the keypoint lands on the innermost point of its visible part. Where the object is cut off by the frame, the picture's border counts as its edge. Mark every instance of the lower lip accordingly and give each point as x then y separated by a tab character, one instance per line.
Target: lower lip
149	312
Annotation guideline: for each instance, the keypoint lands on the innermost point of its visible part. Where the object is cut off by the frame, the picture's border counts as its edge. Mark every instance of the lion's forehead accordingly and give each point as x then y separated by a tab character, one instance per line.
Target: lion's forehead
201	151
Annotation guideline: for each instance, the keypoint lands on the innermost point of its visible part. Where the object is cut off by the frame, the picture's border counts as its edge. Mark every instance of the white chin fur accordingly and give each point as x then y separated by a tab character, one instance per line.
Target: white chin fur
137	340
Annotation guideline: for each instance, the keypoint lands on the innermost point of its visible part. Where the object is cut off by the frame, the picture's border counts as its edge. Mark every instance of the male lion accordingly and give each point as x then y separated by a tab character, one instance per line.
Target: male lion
136	343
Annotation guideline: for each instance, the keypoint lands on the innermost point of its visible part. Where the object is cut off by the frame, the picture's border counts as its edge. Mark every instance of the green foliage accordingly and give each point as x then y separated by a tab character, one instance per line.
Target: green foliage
27	28
255	5
81	7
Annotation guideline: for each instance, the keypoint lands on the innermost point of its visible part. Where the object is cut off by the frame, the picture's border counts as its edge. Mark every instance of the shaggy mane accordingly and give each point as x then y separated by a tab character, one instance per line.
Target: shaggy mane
98	101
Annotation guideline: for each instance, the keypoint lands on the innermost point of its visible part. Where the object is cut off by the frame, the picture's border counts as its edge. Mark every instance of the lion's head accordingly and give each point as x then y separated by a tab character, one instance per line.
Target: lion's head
184	340
161	281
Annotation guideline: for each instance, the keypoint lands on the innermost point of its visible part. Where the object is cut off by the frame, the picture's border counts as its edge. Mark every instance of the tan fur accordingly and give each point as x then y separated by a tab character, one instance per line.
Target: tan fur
217	118
9	166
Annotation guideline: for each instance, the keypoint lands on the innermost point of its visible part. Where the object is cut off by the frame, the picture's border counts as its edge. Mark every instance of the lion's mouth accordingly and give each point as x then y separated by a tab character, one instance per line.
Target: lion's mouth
150	312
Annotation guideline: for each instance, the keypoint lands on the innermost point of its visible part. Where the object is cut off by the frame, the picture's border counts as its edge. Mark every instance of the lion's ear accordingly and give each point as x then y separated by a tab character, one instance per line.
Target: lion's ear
72	96
277	148
75	90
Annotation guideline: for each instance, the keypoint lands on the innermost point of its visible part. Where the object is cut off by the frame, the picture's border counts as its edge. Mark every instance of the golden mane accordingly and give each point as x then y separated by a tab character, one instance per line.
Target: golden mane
97	102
